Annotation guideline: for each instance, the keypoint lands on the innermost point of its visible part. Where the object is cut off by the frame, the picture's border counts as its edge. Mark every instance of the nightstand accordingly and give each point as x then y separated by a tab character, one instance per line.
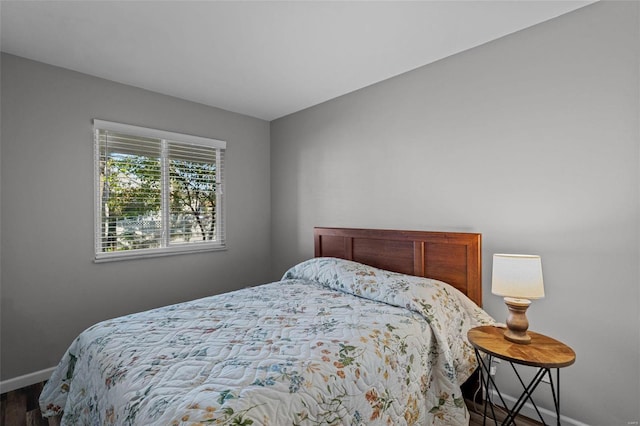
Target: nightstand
543	353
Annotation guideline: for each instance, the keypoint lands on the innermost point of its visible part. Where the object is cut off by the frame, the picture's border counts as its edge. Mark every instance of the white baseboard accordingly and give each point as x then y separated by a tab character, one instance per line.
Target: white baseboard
26	380
528	411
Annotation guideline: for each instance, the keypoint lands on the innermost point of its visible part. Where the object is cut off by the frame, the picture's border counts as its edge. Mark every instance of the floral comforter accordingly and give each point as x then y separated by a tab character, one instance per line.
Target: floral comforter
334	342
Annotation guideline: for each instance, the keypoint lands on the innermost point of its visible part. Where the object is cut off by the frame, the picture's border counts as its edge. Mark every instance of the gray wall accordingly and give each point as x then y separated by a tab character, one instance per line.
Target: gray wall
51	289
532	140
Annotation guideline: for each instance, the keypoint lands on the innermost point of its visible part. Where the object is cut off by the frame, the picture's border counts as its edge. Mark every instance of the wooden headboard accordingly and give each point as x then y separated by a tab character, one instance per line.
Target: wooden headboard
452	257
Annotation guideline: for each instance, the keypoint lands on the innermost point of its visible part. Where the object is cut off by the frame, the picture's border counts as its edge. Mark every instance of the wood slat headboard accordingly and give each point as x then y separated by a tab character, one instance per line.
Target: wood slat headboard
452	257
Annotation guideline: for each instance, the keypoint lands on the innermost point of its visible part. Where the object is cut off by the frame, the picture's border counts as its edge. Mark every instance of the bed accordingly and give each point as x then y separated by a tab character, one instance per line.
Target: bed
372	330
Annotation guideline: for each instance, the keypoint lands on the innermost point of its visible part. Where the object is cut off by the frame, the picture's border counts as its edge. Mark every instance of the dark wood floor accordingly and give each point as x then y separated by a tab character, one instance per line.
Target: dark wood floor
476	418
20	408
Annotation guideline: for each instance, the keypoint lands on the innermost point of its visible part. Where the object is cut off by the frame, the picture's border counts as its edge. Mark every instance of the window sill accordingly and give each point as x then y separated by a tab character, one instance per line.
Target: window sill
158	252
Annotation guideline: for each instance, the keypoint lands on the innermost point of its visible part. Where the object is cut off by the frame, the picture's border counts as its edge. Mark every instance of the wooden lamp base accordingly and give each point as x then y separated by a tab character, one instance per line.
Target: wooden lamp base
517	323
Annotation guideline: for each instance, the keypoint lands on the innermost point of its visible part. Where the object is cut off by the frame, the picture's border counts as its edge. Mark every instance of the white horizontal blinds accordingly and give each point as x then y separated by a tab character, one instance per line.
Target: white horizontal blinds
130	192
157	134
156	191
221	232
195	199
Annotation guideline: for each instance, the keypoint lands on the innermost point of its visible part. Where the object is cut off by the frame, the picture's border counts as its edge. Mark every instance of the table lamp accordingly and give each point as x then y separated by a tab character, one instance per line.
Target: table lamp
517	277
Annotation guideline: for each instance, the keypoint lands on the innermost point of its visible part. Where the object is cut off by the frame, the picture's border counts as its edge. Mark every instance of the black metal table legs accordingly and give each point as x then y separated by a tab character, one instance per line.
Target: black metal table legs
487	383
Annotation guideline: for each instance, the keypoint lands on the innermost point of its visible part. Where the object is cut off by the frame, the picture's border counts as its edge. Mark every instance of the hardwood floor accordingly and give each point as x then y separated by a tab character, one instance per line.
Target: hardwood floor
476	419
20	408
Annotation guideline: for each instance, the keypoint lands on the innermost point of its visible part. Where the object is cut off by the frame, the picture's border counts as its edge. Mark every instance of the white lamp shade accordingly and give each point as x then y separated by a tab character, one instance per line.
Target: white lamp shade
517	275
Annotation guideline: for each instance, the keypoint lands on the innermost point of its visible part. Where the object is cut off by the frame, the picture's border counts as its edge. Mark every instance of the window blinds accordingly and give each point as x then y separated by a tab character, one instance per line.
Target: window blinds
157	192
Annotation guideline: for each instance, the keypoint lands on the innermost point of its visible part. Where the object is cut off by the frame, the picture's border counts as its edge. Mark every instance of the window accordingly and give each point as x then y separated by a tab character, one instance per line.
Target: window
156	192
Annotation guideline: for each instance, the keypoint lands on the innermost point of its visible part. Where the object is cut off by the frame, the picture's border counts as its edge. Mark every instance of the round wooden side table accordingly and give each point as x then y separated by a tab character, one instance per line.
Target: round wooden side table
543	353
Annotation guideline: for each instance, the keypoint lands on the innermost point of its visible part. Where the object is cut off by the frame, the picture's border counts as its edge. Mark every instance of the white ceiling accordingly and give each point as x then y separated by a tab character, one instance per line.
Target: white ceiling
265	59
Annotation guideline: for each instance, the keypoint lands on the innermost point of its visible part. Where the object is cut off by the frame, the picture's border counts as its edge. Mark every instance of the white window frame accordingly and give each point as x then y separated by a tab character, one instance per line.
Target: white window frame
218	244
